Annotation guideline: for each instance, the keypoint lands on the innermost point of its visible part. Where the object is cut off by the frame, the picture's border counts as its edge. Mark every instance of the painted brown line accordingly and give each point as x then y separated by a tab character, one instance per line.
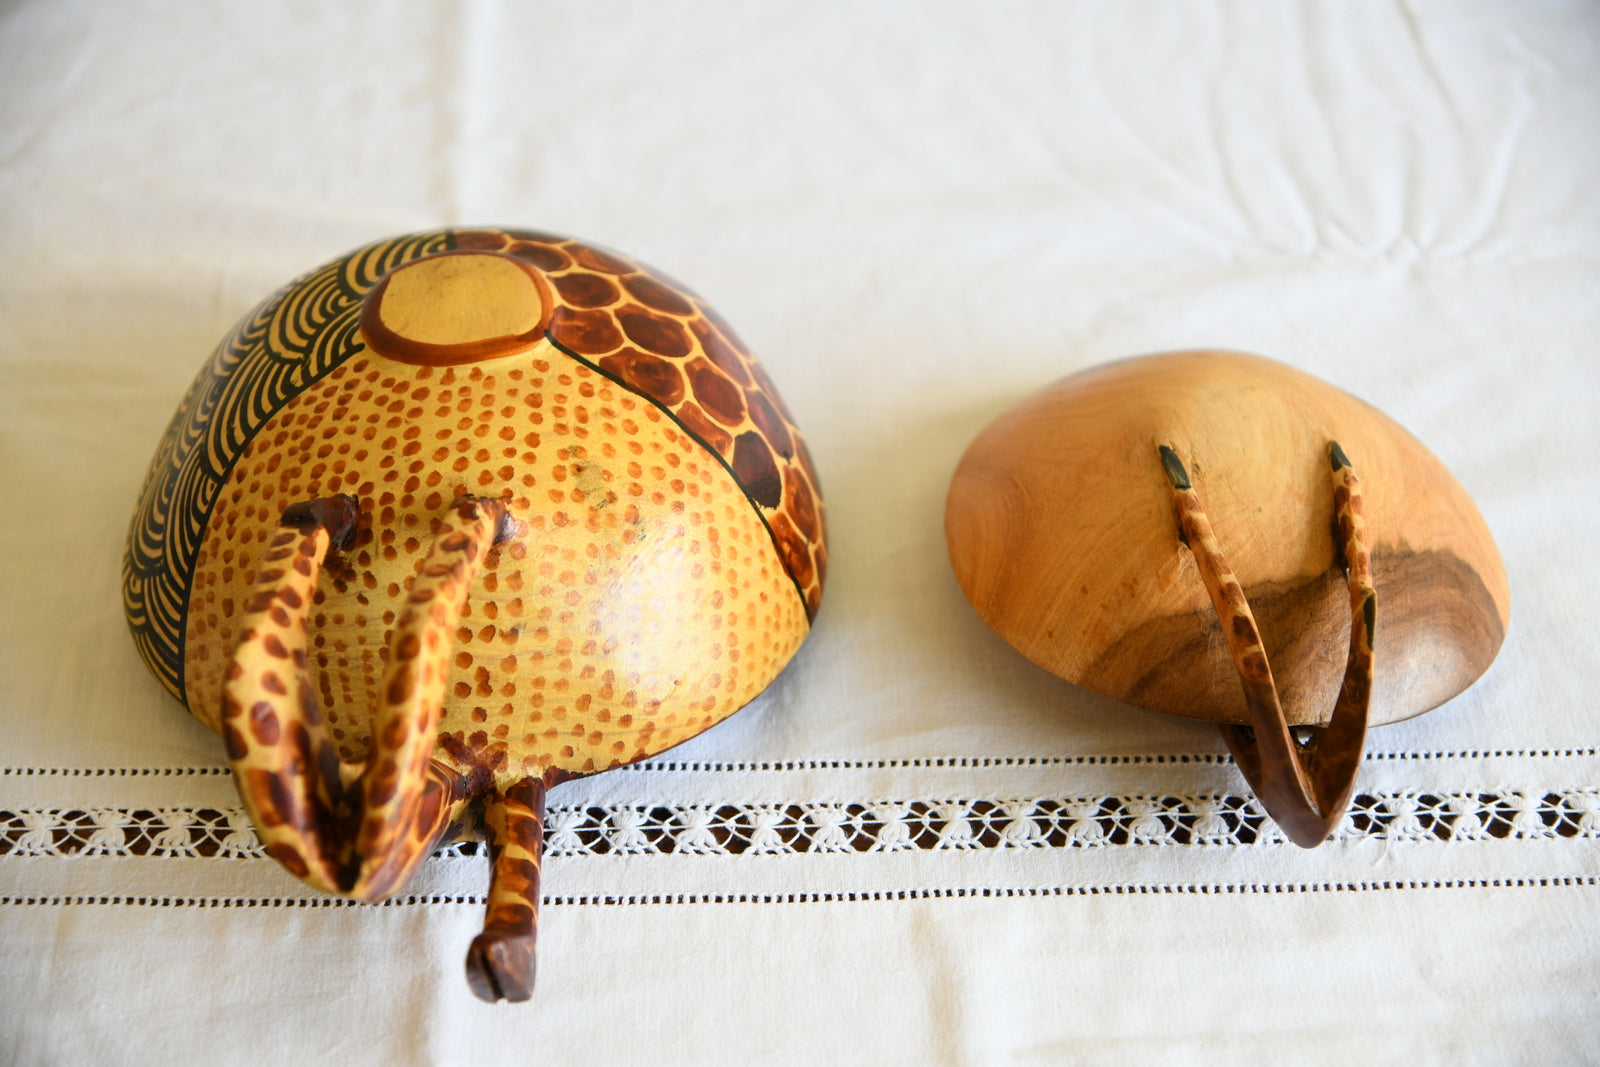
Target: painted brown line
706	447
249	352
386	342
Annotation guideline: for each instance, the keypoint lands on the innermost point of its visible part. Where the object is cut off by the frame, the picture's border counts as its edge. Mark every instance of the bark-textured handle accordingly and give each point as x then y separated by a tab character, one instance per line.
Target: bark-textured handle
1304	787
359	831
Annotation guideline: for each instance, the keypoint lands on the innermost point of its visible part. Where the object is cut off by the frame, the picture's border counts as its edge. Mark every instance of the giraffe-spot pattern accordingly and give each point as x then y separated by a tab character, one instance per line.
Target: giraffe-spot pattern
642	602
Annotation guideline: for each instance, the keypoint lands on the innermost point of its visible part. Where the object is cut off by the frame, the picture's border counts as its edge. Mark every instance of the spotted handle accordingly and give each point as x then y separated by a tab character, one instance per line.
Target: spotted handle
356	830
500	963
1305	787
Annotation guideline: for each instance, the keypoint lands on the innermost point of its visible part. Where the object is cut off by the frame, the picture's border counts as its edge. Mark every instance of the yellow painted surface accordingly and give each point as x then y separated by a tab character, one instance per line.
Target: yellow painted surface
459	299
640	600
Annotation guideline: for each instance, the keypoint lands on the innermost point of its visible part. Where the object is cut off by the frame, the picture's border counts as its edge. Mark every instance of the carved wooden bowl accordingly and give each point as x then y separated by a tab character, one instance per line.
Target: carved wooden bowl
1088	526
455	518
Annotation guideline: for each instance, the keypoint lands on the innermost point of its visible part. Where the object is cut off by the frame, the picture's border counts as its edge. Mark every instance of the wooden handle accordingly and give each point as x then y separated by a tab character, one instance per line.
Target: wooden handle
359	831
500	963
1305	787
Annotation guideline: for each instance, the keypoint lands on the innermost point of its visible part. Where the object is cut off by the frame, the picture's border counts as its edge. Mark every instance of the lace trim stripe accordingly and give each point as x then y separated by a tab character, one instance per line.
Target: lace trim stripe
847	896
866	826
1131	759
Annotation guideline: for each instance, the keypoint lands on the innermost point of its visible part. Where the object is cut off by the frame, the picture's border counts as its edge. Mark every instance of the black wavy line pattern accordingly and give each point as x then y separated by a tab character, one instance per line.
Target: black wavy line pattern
289	342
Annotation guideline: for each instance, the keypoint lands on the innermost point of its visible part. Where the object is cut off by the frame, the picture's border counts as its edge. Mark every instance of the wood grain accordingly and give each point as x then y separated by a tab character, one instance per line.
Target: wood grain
1062	535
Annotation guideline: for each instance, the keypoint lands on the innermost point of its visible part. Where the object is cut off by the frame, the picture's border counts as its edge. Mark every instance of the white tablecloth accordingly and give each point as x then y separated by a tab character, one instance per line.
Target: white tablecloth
917	847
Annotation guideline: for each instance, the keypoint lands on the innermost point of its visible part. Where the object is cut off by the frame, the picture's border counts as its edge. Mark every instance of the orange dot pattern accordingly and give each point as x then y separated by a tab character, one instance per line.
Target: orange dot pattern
650	335
639	600
269	720
366	840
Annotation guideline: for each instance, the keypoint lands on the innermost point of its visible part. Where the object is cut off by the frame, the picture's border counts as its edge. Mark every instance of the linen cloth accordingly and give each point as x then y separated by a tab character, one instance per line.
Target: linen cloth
917	846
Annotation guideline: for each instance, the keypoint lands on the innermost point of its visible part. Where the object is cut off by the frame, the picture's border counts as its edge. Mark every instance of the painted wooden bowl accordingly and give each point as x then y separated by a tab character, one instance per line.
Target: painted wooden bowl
453	519
1088	526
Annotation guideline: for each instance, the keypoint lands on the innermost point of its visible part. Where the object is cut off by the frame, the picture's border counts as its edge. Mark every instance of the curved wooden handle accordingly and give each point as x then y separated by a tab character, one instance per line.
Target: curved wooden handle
359	831
1305	787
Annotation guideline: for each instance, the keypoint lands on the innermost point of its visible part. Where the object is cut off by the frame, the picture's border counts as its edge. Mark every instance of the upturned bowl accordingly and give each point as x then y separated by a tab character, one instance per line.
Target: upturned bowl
1064	523
457	517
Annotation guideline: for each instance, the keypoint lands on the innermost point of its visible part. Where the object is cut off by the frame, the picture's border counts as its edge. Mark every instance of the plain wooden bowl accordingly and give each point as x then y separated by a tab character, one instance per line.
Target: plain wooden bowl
1062	530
